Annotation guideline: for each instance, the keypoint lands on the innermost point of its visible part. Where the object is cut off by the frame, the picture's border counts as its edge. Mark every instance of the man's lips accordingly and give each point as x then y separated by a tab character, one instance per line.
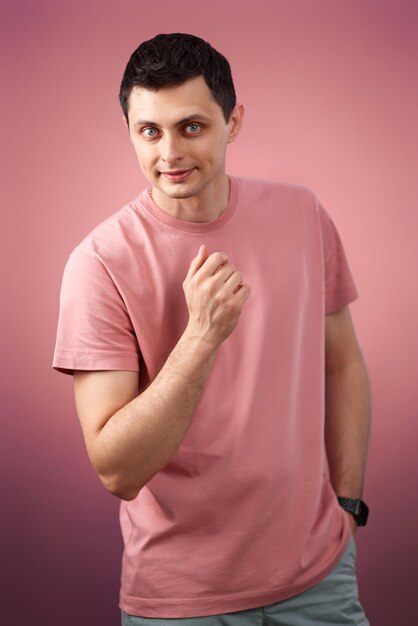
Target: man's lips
177	175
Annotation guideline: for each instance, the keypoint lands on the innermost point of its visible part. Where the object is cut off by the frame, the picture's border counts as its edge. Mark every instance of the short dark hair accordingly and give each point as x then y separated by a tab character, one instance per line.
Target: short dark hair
171	59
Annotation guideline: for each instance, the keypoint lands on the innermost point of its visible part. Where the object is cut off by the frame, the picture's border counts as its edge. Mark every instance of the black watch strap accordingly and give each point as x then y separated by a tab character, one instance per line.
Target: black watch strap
358	509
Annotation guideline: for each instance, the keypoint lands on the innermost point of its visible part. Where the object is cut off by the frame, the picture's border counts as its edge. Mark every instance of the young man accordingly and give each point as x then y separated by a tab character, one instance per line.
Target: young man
218	380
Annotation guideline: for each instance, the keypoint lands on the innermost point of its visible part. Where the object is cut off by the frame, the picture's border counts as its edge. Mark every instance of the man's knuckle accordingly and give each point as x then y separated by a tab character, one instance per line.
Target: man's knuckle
207	288
219	257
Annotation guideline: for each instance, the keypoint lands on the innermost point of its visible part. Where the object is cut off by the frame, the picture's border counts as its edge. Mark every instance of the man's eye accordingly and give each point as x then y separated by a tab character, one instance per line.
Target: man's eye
193	128
149	132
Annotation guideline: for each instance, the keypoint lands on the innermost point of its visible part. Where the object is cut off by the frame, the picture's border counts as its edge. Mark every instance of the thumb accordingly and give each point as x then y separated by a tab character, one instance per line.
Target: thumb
198	261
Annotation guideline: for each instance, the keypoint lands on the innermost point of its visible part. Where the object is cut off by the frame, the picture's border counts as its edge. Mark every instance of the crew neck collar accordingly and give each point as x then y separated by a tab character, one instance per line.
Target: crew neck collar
147	202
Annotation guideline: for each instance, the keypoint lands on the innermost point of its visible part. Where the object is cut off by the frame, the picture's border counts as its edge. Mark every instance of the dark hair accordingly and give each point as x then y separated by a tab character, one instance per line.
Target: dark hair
172	59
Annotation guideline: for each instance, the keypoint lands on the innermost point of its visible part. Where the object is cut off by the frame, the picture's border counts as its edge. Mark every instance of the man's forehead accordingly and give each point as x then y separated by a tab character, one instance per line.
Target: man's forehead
173	103
197	83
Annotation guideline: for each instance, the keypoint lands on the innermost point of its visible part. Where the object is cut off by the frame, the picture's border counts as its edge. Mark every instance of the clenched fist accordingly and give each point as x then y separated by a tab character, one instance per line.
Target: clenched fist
215	294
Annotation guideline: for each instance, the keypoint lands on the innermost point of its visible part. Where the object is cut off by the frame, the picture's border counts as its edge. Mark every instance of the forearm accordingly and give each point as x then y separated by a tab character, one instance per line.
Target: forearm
141	438
130	437
347	426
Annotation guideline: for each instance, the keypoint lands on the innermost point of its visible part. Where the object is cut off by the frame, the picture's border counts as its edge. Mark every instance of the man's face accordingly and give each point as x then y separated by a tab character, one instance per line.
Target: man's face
180	138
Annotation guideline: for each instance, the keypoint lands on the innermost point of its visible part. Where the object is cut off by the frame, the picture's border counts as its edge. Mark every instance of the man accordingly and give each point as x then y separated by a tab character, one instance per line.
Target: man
218	380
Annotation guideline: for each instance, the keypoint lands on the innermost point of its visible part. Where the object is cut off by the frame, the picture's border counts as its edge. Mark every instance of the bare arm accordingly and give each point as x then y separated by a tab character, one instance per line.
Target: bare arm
130	437
347	419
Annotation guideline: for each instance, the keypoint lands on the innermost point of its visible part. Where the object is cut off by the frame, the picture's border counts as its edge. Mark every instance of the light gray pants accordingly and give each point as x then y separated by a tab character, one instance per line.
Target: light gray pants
334	601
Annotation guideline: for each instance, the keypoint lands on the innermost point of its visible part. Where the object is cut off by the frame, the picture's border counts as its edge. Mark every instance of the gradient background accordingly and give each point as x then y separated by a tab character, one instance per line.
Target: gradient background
331	96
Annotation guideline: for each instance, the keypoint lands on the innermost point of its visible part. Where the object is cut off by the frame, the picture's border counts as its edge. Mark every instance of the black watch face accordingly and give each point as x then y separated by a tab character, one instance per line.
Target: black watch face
362	513
357	508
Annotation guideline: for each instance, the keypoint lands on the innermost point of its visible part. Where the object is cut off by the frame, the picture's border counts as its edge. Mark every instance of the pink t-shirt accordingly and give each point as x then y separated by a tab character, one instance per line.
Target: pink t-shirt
244	514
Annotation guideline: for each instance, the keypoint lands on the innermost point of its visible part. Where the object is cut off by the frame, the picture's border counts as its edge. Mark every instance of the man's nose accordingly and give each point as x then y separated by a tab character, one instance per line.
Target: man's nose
171	148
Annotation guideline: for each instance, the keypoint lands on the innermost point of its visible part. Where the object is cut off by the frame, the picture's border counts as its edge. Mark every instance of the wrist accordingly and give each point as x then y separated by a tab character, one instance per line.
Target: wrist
352	522
198	342
356	508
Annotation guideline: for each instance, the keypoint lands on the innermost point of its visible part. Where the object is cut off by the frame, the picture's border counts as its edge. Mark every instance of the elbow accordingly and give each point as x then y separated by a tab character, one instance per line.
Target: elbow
120	487
115	479
125	494
118	483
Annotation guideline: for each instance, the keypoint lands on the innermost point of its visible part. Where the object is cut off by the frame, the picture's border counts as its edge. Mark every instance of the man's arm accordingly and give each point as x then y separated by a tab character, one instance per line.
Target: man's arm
130	437
347	414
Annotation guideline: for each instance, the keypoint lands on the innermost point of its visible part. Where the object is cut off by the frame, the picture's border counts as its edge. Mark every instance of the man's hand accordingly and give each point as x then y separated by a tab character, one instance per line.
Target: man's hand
215	295
131	437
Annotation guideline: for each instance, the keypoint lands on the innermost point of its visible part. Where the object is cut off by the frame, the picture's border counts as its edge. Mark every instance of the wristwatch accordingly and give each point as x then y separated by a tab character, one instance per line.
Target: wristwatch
358	509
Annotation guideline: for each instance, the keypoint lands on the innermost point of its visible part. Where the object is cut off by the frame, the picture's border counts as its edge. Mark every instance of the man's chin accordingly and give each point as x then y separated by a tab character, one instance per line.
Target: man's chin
177	192
180	196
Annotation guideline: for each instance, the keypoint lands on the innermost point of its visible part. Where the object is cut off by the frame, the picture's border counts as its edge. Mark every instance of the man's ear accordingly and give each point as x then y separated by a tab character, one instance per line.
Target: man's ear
235	122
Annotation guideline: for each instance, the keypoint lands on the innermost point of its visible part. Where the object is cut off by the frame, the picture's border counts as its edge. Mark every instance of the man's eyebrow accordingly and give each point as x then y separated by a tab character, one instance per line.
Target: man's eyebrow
189	118
144	123
192	118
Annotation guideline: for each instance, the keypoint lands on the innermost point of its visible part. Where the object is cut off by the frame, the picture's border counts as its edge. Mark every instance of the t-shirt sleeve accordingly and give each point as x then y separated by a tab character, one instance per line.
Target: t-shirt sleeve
94	329
340	289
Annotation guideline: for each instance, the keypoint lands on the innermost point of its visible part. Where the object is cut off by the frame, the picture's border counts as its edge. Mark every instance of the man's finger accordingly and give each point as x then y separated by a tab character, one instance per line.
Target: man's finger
213	263
198	261
241	294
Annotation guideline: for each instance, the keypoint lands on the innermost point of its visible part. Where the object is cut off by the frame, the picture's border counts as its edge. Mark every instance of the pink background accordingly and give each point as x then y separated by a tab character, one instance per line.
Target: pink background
331	96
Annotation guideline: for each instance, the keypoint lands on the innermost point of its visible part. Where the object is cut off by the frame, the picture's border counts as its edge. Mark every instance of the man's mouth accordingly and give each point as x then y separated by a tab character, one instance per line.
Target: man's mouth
177	175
